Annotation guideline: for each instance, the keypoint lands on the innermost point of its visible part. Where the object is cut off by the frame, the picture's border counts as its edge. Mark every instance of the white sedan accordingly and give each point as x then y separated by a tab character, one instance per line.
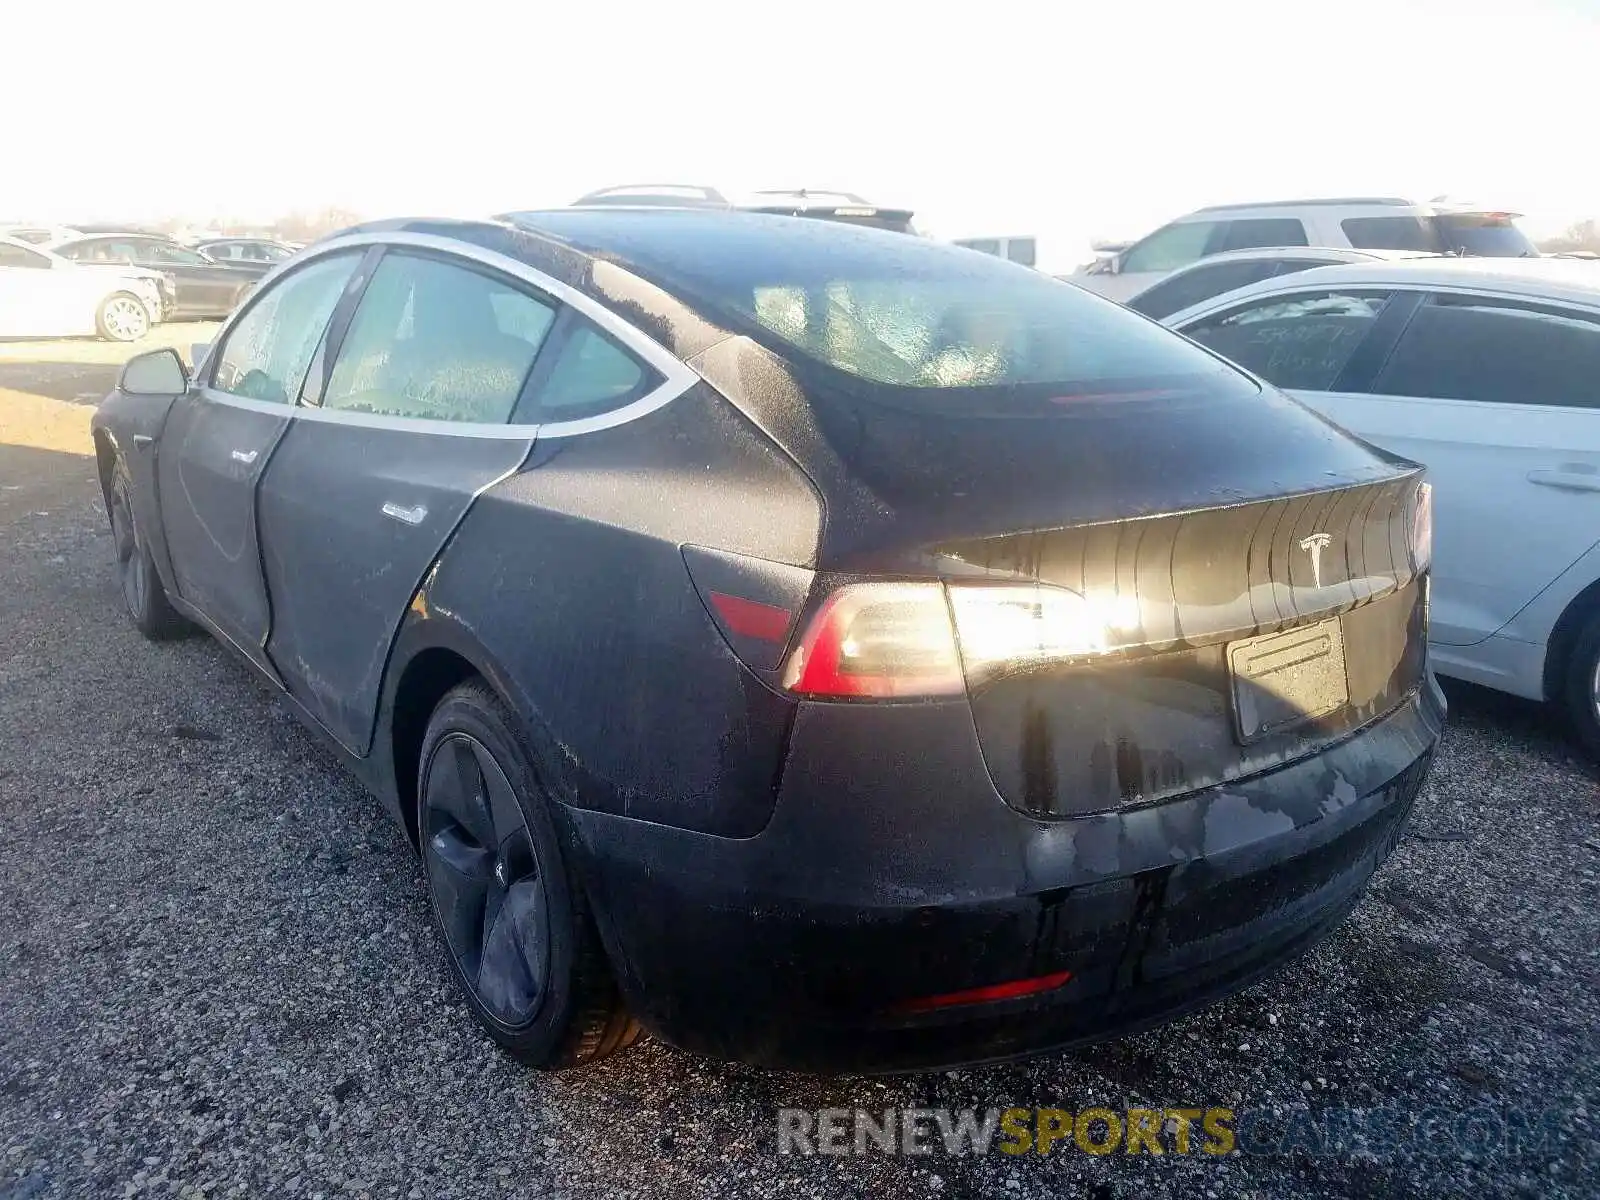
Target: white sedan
45	295
1487	370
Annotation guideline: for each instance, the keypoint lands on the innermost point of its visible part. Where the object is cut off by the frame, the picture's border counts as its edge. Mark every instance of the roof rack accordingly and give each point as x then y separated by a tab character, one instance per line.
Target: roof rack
822	194
675	195
1394	201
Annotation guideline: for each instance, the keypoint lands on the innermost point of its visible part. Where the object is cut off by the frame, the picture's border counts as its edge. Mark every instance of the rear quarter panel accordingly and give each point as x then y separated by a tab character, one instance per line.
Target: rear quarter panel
571	575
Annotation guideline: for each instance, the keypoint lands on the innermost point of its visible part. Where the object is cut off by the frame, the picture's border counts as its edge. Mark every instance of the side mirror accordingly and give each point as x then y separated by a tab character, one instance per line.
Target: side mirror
154	373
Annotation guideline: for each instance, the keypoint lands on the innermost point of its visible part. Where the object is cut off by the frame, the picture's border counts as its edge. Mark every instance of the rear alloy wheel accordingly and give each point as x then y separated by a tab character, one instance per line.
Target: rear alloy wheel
517	932
1582	692
122	318
142	590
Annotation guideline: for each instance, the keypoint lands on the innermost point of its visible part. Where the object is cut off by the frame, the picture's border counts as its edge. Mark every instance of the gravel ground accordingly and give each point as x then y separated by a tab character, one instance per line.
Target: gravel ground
217	975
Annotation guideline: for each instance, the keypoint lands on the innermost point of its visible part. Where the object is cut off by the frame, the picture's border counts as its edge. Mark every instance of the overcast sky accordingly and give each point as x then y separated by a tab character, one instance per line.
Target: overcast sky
1065	120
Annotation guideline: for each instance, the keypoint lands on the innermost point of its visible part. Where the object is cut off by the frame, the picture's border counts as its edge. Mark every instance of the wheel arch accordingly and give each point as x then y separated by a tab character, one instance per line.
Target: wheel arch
106	451
1564	635
434	655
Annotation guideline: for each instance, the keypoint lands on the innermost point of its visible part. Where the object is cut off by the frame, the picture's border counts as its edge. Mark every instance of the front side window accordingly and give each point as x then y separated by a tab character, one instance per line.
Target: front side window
266	354
1170	248
1391	233
98	252
1261	231
438	341
1299	341
1475	348
1178	292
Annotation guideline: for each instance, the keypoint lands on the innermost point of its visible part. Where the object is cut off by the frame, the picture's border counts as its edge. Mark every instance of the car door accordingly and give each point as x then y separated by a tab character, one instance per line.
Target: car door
387	455
1498	396
220	435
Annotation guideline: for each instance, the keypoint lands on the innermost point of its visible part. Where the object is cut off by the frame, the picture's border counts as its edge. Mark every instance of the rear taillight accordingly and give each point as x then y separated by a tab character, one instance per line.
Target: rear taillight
923	639
1014	626
1422	527
878	639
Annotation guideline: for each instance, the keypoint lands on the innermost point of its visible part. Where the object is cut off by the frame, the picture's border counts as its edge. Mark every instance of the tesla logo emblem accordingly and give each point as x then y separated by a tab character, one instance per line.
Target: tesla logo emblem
1314	545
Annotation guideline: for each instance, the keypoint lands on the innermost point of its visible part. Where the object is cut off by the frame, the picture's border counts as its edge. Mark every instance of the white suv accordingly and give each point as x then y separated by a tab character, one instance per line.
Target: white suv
1359	222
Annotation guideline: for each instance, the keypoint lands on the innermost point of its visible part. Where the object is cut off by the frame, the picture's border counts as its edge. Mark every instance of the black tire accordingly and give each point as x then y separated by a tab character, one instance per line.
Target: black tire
122	317
515	924
1581	687
143	593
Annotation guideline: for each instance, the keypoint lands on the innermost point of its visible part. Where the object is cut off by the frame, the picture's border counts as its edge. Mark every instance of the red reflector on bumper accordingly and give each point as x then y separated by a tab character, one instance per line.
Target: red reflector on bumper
987	995
747	618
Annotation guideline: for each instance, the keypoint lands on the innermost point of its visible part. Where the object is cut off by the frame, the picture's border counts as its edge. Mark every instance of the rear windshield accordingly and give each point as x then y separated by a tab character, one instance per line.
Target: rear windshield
1493	235
912	322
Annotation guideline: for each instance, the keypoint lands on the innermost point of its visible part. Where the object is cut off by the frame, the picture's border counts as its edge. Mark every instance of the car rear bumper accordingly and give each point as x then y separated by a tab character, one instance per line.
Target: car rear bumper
889	875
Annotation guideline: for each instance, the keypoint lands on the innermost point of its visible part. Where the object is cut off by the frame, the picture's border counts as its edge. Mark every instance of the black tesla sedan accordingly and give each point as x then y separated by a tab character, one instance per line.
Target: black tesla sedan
825	647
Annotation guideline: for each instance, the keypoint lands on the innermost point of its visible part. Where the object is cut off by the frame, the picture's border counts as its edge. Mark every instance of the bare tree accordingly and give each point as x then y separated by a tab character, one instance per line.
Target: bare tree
1584	235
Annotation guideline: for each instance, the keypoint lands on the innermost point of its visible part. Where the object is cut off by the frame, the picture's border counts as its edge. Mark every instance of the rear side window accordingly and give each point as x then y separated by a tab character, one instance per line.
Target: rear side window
266	354
1260	231
438	341
1169	248
1198	283
1300	341
1391	233
1473	348
590	374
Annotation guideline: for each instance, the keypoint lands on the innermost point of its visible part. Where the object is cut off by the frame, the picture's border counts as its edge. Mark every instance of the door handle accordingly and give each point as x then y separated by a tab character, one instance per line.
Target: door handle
411	516
142	439
1568	479
244	456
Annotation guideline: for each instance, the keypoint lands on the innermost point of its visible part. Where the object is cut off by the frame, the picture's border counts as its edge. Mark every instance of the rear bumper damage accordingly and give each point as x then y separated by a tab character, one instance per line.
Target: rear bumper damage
889	875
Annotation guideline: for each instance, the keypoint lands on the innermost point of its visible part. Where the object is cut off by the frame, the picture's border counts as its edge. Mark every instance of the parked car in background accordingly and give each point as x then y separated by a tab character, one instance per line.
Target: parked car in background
1022	249
1361	223
244	250
830	647
1233	269
203	289
844	207
43	295
1488	372
38	235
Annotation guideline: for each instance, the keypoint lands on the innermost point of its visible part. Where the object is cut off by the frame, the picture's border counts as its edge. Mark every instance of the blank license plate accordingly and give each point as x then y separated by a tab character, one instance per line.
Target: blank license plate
1281	680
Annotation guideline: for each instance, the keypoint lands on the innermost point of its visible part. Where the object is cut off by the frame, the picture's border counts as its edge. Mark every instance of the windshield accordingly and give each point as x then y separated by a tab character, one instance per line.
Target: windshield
1493	235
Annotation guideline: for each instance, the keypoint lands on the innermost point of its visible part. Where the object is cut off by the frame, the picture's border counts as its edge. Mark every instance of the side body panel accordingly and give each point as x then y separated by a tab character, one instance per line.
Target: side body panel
572	574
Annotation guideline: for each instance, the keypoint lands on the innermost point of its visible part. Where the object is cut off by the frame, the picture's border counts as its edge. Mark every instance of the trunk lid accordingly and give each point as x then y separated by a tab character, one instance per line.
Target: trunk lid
1176	702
